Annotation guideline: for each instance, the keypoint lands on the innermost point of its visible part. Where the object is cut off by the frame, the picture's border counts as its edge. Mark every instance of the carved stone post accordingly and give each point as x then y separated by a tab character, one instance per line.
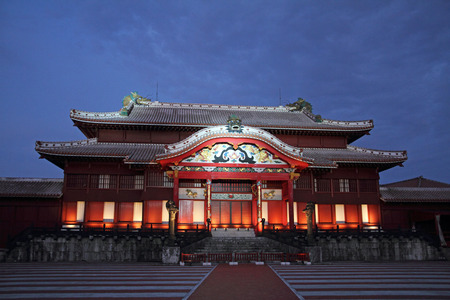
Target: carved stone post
309	211
172	210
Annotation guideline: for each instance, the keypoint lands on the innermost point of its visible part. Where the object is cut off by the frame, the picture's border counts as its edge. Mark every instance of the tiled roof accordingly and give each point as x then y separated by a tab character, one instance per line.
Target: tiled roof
415	194
418	182
352	154
145	153
203	115
31	187
130	152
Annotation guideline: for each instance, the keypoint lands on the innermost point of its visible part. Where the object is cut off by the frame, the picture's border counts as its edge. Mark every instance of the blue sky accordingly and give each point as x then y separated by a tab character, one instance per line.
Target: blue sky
353	60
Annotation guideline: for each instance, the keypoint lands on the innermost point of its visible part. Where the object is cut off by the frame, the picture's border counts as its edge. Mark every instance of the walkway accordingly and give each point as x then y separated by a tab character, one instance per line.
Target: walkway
411	280
244	281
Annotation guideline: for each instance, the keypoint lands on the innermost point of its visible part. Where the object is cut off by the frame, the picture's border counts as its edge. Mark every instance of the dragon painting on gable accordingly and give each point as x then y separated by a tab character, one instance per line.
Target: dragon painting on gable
226	153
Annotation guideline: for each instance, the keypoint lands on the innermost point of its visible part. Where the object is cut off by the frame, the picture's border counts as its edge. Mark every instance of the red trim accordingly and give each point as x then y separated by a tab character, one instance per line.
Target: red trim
178	157
232	175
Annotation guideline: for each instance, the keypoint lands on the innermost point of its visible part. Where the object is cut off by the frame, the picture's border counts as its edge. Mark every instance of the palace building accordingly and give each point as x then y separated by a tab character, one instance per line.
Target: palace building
224	166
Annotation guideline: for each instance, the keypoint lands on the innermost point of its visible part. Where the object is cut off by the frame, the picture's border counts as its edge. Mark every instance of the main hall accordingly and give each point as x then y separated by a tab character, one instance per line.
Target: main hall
223	166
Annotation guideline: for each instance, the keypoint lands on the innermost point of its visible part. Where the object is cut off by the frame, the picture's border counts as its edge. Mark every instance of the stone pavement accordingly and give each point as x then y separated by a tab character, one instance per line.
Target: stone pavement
98	281
411	280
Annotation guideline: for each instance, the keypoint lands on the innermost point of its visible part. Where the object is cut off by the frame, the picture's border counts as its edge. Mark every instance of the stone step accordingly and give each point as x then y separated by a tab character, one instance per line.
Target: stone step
233	232
236	245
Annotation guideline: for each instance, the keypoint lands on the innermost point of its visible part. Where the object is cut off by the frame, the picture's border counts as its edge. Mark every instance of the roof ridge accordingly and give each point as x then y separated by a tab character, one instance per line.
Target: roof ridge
400	153
43	144
31	179
74	113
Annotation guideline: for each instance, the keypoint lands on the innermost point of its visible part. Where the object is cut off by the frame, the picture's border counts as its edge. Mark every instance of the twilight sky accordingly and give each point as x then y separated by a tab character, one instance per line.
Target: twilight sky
353	60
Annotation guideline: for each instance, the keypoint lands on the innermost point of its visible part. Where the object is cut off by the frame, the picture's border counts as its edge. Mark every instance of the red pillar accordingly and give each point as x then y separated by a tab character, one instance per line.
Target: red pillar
175	194
291	203
259	207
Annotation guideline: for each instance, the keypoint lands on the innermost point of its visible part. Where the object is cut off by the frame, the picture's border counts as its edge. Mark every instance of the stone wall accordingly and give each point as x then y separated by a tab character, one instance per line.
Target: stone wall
381	248
98	248
89	249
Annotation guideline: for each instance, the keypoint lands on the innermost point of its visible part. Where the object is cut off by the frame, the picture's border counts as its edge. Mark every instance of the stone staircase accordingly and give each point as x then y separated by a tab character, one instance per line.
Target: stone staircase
238	245
233	232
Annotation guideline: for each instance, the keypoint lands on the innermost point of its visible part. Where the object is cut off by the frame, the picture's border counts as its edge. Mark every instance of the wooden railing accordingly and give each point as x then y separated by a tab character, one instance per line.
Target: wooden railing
245	257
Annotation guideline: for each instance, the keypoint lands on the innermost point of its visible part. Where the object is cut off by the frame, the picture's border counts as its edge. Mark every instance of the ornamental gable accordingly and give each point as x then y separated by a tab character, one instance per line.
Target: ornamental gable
225	153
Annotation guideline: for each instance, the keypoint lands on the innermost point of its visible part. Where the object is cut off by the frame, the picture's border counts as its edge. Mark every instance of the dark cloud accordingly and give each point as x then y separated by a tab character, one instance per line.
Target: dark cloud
381	60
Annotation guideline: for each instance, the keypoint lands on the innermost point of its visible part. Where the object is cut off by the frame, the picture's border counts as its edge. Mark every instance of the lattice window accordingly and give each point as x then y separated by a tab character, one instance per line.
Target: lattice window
192	183
159	178
230	186
103	181
322	185
272	184
344	185
77	180
303	182
139	182
132	182
367	186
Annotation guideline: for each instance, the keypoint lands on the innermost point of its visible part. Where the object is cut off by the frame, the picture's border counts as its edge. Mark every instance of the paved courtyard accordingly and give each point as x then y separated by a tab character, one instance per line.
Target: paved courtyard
412	280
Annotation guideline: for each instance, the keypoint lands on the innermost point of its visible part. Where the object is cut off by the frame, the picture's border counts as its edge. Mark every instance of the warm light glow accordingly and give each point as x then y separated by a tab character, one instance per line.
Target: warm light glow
80	211
365	213
265	211
137	212
199	212
71	226
108	212
340	213
371	227
164	212
295	212
316	212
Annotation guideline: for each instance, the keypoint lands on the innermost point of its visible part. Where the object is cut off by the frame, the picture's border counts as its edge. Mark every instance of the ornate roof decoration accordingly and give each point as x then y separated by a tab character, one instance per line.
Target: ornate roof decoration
225	153
129	101
213	133
157	113
234	124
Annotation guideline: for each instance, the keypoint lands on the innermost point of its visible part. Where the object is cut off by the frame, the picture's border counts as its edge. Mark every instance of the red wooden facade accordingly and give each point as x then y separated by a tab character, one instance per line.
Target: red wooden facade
214	167
26	202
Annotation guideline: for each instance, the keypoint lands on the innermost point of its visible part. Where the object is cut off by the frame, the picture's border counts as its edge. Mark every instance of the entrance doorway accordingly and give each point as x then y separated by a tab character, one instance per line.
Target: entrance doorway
229	213
232	206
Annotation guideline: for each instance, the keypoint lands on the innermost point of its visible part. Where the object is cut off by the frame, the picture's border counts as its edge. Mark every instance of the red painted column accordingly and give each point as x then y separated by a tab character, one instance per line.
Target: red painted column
259	207
208	200
175	194
291	203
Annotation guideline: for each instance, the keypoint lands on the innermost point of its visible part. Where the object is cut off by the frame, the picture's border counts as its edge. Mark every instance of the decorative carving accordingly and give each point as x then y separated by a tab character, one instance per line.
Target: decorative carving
309	211
192	194
242	153
269	195
172	209
234	124
130	100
